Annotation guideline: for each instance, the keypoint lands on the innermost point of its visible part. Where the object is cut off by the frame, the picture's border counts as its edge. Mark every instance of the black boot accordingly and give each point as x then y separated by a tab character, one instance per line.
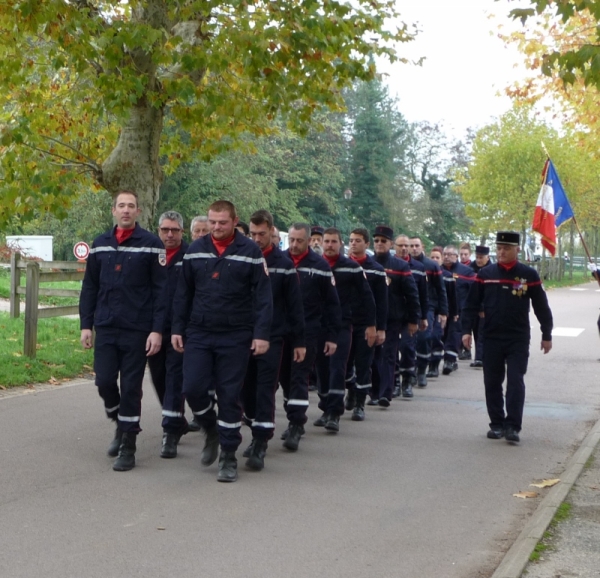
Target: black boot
293	439
359	411
210	452
248	451
126	459
227	467
421	378
434	369
408	381
333	423
320	422
115	444
350	400
169	445
286	432
194	425
256	459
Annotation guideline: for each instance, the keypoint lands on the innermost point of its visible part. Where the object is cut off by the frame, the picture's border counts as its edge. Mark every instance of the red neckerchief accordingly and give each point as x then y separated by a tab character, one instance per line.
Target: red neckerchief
220	246
331	260
467	262
123	234
407	258
171	253
508	266
267	251
359	260
297	258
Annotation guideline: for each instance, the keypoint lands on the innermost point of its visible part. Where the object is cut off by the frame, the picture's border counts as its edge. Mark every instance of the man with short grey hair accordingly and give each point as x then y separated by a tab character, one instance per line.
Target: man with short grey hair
199	227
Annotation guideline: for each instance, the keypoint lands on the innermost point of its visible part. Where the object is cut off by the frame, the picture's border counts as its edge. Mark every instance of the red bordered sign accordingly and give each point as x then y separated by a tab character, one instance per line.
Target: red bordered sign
81	251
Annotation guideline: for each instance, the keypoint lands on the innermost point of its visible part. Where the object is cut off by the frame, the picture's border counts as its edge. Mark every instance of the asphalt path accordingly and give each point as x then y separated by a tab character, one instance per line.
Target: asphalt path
414	491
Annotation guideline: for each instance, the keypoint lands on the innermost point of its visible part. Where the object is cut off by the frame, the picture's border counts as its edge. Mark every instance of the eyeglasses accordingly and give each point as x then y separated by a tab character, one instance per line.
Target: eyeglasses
450	254
167	230
380	240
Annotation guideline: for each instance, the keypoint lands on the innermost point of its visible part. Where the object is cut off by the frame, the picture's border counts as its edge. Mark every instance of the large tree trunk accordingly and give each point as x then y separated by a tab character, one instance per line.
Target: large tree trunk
133	165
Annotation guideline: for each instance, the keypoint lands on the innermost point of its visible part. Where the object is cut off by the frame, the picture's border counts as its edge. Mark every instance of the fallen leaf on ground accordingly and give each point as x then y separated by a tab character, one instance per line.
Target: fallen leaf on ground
17	354
38	346
2	387
594	488
160	528
53	381
11	339
525	495
546	483
88	367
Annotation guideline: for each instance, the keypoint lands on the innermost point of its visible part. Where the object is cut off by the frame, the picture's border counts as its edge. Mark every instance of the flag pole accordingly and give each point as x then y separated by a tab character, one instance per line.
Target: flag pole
585	247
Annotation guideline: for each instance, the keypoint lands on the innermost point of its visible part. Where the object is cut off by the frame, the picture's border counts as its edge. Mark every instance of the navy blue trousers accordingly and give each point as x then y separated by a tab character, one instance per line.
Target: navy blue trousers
219	359
452	340
408	352
478	337
331	373
258	394
505	357
294	378
119	364
424	343
385	363
166	369
437	340
358	368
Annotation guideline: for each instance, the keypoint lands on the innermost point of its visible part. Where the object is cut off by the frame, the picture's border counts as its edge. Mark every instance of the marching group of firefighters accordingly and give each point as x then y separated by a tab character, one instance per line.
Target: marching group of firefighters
225	321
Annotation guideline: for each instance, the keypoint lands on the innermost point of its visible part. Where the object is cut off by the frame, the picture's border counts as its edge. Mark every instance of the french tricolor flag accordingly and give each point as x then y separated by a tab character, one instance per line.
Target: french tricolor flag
552	208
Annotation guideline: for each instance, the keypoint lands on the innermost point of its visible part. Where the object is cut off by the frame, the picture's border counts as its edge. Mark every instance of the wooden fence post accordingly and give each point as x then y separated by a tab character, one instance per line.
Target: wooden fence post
15	282
31	309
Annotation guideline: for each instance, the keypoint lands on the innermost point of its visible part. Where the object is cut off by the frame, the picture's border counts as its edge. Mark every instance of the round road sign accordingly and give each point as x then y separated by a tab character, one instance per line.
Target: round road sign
81	250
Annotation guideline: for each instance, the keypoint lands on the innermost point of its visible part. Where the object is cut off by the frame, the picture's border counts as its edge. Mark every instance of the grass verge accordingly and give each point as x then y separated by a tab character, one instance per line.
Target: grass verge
44	300
59	353
562	513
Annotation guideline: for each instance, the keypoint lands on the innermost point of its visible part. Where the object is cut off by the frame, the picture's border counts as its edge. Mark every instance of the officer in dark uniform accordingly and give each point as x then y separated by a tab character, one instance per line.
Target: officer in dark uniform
122	297
361	354
404	312
437	314
166	366
353	291
407	366
223	307
504	291
260	385
482	259
439	323
322	321
464	277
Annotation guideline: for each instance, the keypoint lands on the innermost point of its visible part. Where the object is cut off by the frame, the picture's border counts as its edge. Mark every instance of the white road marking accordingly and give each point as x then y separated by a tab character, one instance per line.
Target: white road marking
577	289
567	331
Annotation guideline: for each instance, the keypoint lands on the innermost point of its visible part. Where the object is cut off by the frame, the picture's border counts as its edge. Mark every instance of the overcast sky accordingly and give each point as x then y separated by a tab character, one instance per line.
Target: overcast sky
466	64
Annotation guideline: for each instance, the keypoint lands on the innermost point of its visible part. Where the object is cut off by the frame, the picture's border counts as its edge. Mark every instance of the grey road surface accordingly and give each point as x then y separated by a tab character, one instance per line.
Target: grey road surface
414	491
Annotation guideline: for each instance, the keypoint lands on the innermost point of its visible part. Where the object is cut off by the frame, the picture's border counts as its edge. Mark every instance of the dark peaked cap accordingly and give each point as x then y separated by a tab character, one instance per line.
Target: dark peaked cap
316	230
481	250
384	231
508	238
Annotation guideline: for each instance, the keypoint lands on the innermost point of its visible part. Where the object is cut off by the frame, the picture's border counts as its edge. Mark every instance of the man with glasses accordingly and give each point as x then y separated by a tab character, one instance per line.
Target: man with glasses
437	313
464	277
404	312
166	366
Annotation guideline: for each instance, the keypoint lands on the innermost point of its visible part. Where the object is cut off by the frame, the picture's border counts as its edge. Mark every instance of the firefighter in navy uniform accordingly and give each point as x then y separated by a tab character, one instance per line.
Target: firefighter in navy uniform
361	354
358	309
262	375
482	259
464	277
438	329
122	299
404	312
504	291
322	323
437	315
407	366
223	308
166	366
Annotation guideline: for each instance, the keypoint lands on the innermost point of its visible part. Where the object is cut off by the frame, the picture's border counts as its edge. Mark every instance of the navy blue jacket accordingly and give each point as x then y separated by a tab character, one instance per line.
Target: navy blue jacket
465	276
377	282
450	283
356	299
124	284
438	300
403	296
322	312
288	313
505	297
223	293
174	268
420	275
